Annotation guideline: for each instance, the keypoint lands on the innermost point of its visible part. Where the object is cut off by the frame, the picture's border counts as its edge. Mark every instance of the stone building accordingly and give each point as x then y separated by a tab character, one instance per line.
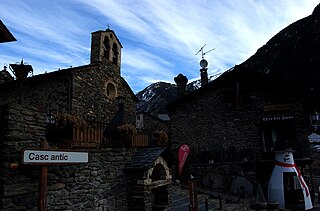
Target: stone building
234	124
88	91
72	108
5	36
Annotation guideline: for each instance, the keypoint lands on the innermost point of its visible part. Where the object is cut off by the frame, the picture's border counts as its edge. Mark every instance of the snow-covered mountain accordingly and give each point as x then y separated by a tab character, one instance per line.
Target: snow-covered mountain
156	96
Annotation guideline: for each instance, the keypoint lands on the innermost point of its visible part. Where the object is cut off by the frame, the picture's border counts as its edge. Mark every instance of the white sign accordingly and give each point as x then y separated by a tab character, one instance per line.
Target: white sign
39	156
314	138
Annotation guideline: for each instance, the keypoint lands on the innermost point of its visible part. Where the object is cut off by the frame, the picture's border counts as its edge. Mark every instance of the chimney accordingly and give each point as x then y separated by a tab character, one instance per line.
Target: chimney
203	71
204	76
181	82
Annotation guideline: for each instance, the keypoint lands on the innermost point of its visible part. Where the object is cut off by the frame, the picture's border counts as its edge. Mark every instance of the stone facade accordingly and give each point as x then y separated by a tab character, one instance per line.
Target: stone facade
29	110
150	123
88	91
97	185
149	180
225	124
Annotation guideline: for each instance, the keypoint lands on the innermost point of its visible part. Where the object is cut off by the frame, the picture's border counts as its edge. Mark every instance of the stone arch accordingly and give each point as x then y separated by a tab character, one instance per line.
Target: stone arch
149	181
159	171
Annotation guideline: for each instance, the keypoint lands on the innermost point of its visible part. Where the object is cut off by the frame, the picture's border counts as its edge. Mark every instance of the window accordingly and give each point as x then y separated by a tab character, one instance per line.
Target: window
106	45
115	54
111	90
278	135
230	100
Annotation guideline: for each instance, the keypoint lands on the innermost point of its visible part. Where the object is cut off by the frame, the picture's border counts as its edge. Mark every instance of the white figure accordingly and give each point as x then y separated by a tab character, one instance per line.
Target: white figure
285	163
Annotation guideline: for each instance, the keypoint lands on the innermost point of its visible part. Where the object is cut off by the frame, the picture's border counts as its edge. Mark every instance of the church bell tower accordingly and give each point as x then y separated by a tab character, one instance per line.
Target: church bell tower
105	48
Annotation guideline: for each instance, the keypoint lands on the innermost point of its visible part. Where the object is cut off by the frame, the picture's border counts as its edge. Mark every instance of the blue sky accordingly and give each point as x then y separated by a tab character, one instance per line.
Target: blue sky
160	37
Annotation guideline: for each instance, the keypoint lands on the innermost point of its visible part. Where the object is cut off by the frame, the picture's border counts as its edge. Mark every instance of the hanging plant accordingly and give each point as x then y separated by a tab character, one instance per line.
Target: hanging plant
161	137
64	119
127	132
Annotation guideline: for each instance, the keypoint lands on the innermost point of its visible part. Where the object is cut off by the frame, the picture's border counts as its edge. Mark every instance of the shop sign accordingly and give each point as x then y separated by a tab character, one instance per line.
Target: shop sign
46	157
276	118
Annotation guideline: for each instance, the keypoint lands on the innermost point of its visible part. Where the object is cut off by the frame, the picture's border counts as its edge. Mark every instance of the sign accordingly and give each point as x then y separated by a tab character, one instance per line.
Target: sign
276	118
183	154
314	138
45	157
78	144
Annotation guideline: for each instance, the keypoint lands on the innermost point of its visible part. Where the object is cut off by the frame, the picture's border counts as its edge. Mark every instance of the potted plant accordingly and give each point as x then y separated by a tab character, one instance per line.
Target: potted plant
127	132
161	138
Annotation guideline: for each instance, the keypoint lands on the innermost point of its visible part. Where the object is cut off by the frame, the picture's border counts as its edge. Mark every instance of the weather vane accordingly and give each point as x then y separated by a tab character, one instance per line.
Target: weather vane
203	62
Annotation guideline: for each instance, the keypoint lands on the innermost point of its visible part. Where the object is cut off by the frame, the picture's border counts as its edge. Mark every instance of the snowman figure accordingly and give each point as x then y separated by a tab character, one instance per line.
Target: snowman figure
276	193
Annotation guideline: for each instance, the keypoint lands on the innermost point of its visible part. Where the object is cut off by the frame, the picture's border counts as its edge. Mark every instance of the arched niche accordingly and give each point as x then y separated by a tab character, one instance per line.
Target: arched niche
149	180
115	54
106	47
159	171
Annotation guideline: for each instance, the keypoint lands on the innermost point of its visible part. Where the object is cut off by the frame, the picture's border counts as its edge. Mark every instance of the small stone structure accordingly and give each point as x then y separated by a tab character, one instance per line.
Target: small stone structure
149	181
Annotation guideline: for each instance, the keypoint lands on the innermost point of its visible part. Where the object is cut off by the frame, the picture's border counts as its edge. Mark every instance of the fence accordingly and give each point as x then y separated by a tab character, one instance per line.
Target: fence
89	136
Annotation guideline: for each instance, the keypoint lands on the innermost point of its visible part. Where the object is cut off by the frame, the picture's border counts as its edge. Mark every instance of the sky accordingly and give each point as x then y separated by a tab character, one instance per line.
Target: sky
160	38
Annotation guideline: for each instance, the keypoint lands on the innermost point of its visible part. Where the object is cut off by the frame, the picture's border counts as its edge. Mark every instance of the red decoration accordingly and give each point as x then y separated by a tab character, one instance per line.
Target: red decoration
183	154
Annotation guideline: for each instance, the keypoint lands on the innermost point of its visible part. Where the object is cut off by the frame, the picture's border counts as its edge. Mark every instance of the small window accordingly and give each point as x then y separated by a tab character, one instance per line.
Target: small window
115	54
106	45
230	100
278	135
111	90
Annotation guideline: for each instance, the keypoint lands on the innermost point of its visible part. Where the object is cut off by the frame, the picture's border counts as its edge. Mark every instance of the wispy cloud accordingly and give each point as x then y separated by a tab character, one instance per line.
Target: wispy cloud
160	38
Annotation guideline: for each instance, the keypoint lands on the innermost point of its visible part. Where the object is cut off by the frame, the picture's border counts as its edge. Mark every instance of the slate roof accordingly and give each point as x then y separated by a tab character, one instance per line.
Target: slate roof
144	158
5	34
246	75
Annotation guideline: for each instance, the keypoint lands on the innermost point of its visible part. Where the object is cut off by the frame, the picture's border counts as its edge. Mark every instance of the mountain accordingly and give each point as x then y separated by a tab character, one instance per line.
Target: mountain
153	98
291	55
156	96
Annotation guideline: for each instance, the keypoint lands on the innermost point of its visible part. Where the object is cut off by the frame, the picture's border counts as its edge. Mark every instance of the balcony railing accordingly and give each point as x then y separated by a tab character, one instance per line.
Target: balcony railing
90	136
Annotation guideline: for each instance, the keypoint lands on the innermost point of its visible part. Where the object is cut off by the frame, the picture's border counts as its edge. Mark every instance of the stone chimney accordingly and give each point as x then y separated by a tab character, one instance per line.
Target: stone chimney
204	76
181	82
5	75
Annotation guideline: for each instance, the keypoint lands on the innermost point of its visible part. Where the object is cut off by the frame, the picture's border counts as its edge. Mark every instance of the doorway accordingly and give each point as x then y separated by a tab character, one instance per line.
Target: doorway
293	194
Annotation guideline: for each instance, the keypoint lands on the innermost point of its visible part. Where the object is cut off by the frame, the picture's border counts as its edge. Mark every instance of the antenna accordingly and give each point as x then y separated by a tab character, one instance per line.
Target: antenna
203	53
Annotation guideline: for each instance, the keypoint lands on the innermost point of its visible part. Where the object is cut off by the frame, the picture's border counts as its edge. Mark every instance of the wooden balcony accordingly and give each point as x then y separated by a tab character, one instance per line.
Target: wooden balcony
87	137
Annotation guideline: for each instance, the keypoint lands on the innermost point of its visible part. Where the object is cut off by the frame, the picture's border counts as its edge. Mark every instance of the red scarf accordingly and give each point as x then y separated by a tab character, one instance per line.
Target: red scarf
299	174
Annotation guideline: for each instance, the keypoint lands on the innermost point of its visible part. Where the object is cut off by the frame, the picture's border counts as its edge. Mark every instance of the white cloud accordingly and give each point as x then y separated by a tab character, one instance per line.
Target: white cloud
160	38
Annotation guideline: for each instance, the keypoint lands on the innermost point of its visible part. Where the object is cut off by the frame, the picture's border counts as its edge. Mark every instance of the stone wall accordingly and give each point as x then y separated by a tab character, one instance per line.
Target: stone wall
98	185
79	90
151	123
206	123
46	91
89	97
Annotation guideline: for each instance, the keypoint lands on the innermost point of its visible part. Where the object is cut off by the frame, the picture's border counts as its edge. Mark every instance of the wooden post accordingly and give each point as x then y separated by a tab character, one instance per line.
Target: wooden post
42	188
193	194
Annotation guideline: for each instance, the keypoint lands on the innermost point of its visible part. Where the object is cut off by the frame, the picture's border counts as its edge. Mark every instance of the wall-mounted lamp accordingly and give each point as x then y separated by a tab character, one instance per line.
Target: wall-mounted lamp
315	121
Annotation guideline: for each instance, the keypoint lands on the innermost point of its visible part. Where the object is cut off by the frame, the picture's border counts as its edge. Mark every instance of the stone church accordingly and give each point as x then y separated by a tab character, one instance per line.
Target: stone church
88	91
79	109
